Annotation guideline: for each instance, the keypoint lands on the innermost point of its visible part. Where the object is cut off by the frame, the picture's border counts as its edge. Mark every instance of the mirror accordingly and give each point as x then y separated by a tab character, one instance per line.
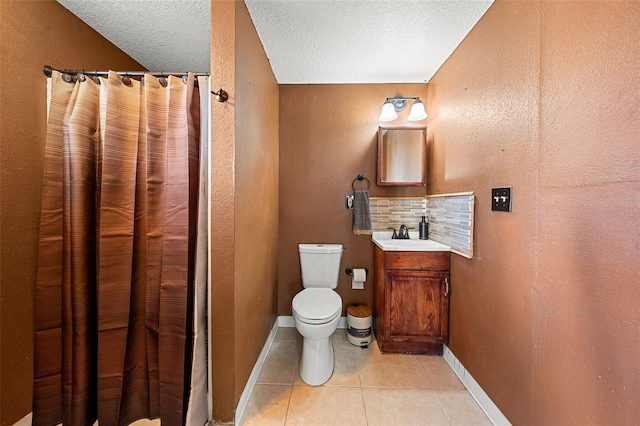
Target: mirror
402	156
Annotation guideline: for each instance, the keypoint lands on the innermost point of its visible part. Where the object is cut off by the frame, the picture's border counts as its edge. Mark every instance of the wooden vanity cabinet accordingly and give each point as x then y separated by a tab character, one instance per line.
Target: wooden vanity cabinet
411	301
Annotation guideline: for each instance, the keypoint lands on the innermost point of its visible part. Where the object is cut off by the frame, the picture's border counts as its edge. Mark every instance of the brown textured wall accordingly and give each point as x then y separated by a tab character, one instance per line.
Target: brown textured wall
256	201
222	247
244	203
544	96
32	34
588	215
327	137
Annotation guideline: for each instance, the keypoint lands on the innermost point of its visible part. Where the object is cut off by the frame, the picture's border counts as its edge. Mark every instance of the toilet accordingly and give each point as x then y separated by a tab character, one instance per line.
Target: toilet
317	309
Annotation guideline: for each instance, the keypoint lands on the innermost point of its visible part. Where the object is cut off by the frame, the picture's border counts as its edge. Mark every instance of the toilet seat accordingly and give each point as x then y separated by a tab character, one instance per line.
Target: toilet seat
317	305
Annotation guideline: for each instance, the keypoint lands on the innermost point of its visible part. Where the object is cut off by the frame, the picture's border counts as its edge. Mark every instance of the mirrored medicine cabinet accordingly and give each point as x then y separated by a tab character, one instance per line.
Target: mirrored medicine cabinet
402	156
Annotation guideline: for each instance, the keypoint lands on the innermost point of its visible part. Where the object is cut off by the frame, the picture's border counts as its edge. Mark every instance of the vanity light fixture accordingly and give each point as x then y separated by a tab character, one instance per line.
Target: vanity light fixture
392	106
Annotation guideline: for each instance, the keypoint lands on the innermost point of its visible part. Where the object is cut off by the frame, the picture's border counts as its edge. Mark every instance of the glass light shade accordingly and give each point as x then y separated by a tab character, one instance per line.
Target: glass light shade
388	113
417	111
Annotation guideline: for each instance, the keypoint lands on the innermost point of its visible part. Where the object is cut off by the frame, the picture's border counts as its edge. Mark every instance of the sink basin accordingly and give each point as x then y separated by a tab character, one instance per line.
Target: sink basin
386	243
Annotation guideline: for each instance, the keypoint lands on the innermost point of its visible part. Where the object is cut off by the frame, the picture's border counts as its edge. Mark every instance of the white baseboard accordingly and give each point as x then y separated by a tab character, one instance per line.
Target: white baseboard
490	409
253	378
285	322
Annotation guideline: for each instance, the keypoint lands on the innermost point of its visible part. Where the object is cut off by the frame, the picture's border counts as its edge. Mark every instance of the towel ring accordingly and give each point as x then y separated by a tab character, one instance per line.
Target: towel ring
360	178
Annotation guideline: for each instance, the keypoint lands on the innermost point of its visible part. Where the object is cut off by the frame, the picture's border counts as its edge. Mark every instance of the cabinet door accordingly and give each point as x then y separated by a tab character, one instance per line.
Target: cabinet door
417	306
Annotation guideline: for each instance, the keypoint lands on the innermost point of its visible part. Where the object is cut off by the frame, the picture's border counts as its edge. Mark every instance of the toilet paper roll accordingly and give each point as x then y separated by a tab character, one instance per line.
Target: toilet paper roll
358	278
359	274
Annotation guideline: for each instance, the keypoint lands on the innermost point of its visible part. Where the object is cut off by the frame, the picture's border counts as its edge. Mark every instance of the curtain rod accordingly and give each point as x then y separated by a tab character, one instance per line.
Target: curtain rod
221	95
48	70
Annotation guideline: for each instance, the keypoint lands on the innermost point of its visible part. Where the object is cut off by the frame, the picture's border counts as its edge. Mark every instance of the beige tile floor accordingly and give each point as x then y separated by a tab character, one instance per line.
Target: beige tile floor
366	388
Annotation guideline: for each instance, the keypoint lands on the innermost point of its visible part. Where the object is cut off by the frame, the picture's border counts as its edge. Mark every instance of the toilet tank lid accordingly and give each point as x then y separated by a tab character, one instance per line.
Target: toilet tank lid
320	248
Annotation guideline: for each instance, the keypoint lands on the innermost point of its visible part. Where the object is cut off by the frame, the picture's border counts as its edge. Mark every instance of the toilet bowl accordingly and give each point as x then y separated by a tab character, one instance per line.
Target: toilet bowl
316	313
317	308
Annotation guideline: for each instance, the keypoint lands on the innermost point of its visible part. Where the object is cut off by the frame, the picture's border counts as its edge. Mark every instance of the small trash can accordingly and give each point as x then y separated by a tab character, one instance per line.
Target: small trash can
359	325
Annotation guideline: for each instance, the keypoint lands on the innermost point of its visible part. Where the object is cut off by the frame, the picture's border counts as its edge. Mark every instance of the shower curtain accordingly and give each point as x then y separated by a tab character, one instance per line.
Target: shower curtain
121	287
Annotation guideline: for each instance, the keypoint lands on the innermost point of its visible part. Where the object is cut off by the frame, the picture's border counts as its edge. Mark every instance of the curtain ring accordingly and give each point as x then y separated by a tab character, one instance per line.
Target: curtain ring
96	80
67	78
80	77
185	78
126	80
163	79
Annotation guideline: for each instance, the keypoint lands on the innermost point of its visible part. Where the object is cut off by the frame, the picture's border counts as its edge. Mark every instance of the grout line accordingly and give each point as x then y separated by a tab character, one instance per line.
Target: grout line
286	413
424	374
442	407
364	406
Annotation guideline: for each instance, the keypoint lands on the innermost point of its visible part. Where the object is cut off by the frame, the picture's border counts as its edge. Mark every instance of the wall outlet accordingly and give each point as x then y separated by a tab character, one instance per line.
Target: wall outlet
501	199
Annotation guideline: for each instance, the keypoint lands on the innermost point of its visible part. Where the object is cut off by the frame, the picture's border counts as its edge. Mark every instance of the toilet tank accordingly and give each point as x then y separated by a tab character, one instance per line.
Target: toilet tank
320	264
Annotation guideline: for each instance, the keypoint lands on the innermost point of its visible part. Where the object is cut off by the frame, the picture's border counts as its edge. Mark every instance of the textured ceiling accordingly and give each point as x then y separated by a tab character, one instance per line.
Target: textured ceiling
306	41
399	41
162	35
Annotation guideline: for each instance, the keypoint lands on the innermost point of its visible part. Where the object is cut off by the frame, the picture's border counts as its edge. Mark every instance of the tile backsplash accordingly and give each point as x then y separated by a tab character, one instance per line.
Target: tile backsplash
450	217
450	220
393	212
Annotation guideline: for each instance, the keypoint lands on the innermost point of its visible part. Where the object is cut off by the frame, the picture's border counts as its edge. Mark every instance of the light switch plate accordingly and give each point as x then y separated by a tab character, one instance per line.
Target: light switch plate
348	202
501	199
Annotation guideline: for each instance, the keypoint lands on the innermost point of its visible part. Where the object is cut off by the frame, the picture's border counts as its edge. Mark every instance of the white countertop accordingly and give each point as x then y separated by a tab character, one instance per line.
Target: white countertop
385	242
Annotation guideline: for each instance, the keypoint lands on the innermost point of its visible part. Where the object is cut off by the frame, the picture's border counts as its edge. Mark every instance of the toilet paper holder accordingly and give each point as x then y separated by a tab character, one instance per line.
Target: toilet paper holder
349	271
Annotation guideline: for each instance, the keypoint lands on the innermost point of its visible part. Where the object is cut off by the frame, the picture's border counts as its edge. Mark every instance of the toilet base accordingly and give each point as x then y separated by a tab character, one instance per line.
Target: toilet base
316	364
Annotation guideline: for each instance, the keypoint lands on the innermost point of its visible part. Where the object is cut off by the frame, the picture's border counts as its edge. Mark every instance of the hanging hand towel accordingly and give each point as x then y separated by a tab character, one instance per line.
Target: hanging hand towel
361	216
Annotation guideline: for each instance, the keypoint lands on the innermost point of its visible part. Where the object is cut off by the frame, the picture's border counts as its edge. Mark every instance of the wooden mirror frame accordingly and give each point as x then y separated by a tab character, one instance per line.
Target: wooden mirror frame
381	181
